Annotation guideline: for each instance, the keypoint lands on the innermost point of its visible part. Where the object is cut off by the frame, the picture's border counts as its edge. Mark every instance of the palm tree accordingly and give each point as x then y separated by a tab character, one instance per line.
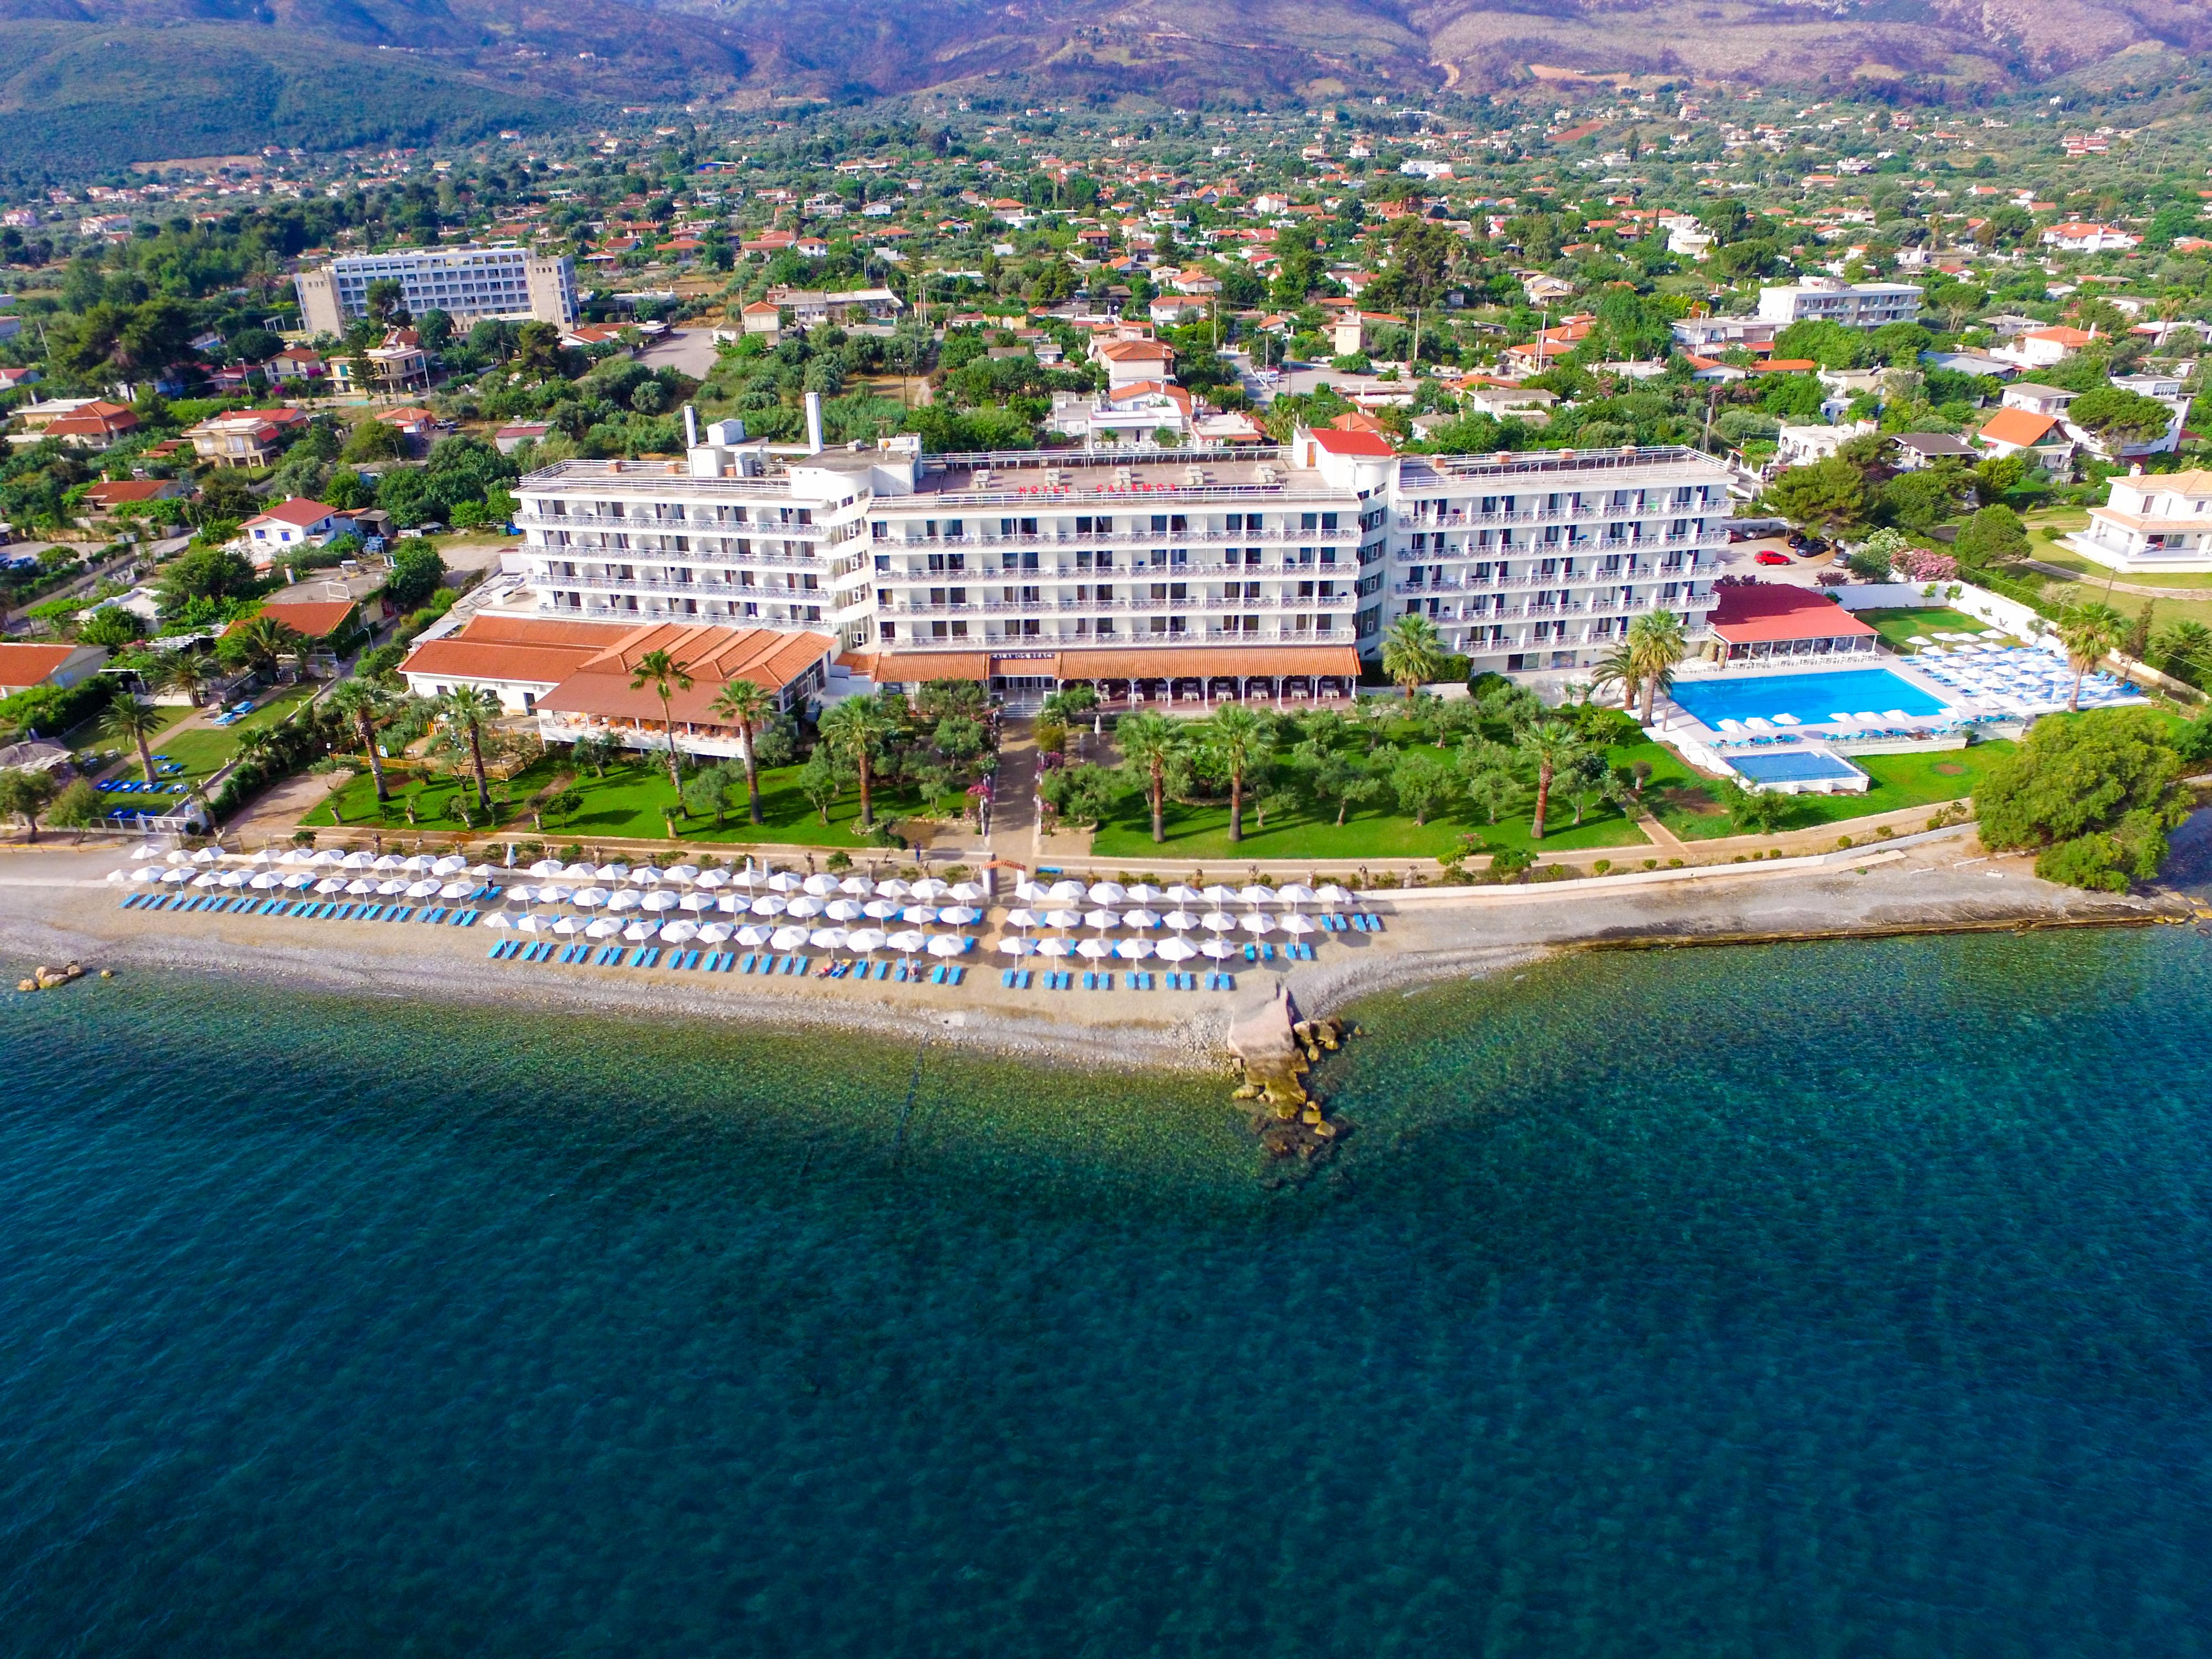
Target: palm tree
186	671
2187	644
1655	644
1237	739
1412	653
466	712
667	676
853	727
1618	667
1149	744
129	720
360	701
2090	635
745	706
1552	745
261	642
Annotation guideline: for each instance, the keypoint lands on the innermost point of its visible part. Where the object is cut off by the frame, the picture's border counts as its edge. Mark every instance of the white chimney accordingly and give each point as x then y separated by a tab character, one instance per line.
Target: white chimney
690	427
814	423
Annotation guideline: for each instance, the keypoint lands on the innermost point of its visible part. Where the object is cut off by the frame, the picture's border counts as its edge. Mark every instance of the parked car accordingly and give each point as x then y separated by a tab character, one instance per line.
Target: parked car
1770	556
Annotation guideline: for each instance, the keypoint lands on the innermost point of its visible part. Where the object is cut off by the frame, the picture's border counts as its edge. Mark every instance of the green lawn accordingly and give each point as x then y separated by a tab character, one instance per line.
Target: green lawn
207	749
431	795
1898	626
1683	804
1369	831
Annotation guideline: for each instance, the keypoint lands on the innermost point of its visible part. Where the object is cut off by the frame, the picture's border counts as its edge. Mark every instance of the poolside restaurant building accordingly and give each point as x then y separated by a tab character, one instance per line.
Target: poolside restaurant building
1761	622
575	676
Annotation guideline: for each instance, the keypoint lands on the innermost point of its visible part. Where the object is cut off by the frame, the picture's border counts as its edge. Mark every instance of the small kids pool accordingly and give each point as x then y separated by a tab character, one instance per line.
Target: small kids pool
1814	699
1802	770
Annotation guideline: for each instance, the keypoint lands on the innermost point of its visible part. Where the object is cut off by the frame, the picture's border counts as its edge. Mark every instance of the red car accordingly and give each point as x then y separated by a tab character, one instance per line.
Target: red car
1770	556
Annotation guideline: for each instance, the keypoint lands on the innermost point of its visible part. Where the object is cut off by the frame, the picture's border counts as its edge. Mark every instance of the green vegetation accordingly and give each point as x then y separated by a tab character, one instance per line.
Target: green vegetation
2094	794
1898	626
1690	806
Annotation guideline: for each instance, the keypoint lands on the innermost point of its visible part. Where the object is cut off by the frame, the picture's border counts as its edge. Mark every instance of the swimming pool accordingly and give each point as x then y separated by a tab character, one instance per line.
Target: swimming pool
1812	698
1798	766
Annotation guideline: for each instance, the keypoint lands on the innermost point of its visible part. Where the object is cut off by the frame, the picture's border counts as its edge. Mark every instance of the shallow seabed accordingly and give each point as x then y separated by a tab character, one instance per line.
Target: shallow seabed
1845	1299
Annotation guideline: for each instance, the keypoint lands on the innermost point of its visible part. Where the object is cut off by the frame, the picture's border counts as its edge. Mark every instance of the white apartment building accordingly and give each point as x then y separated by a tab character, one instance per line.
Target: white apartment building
467	283
1026	568
1829	299
2151	522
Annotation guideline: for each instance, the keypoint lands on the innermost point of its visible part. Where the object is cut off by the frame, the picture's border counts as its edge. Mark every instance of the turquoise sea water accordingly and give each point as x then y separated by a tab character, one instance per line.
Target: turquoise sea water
1851	1300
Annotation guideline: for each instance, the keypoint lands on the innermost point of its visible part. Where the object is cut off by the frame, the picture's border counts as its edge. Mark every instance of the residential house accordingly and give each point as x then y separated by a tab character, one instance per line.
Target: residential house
1129	361
245	437
2082	237
325	626
1127	414
1828	299
2040	439
1801	445
293	526
2039	347
762	319
108	495
2148	523
89	423
1916	451
513	436
26	667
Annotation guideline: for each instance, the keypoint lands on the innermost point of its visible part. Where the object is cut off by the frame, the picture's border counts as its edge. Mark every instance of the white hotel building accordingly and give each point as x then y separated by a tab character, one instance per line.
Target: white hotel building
1266	572
467	283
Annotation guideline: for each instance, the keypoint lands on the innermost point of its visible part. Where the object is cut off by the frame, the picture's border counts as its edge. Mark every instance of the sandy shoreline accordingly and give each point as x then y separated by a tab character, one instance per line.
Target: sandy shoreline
55	905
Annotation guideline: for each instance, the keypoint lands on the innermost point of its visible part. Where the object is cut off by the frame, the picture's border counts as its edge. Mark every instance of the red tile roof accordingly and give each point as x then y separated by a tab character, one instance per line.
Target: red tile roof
2022	427
1770	611
29	665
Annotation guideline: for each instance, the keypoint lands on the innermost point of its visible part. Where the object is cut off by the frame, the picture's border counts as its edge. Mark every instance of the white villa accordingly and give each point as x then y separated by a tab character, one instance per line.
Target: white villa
2151	523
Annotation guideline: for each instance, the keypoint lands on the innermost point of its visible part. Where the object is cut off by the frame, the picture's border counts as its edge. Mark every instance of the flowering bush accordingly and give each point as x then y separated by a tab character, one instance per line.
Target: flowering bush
1919	564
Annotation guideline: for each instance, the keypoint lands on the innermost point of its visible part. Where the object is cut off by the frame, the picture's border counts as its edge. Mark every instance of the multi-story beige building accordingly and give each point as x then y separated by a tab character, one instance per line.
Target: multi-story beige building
2151	521
467	283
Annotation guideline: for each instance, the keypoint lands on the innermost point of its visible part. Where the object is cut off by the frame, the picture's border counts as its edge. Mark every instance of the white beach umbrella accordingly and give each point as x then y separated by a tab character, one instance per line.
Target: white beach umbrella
929	889
146	872
416	863
960	915
919	914
685	873
1177	950
550	894
828	938
714	933
1032	892
329	858
1144	892
146	850
1135	950
680	932
521	893
230	878
967	892
205	856
787	938
821	886
455	889
1107	892
1055	947
296	856
1014	945
843	909
610	872
1179	894
784	882
1331	895
866	940
749	877
858	886
261	859
567	927
499	919
451	865
770	904
330	884
1257	923
1094	950
1067	892
697	903
637	931
180	856
591	898
546	867
601	927
1219	949
658	902
1256	894
645	876
882	910
360	887
714	880
908	942
732	904
1140	919
358	861
752	935
1294	923
628	899
426	887
1217	921
804	905
206	878
892	887
1218	895
1295	893
1102	919
1020	917
580	872
1062	920
947	945
295	881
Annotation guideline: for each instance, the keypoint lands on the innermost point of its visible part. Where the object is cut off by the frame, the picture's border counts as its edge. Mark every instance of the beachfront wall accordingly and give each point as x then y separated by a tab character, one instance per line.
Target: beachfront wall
2010	615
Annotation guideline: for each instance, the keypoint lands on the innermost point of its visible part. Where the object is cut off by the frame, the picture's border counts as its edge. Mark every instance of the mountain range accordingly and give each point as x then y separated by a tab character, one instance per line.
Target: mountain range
95	82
